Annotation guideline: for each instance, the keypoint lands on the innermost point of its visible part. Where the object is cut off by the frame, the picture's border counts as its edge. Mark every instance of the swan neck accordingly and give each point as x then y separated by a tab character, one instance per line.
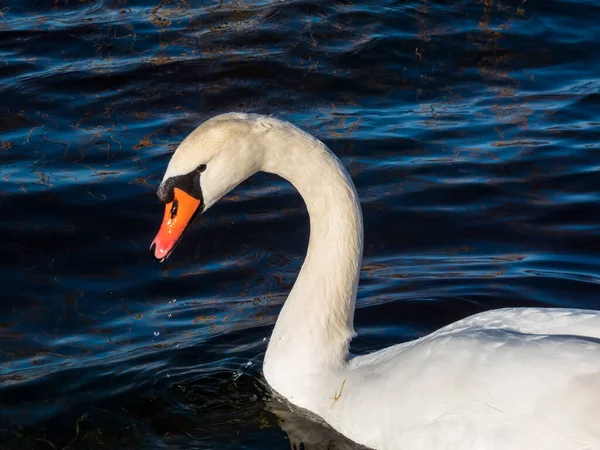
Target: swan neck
315	325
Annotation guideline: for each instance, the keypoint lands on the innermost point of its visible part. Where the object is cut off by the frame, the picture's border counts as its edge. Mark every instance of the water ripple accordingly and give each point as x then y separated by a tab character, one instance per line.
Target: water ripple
470	128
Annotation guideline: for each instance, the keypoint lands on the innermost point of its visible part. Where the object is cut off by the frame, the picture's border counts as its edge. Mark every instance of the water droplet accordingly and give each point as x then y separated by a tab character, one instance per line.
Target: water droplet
248	364
157	333
236	375
169	314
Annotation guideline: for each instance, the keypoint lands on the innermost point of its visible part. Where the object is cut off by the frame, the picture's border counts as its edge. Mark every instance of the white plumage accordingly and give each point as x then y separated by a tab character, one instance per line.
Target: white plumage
509	379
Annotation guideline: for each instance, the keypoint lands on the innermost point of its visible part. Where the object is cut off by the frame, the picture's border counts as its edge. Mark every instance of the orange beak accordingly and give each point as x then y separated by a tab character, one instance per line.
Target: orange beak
179	214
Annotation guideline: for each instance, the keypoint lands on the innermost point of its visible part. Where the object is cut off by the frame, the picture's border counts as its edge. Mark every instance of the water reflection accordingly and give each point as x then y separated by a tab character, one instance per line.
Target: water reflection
306	432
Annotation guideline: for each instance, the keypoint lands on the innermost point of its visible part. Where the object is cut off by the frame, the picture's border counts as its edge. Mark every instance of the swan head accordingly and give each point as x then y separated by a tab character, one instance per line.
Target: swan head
211	161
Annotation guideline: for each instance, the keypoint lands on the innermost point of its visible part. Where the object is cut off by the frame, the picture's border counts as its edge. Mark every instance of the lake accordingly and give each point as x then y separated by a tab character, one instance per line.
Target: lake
470	128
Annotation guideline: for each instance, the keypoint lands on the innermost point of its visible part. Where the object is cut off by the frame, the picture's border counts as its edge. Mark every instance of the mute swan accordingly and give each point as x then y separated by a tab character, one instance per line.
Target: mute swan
508	379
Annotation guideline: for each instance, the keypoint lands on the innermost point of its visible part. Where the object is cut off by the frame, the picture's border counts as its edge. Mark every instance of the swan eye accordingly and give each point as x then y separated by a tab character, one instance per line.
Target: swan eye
201	168
174	209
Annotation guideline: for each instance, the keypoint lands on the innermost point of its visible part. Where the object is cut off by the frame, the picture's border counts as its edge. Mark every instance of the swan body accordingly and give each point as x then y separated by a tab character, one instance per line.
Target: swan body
508	379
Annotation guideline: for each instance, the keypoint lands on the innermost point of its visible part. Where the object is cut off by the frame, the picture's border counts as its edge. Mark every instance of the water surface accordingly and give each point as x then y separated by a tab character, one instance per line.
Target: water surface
471	129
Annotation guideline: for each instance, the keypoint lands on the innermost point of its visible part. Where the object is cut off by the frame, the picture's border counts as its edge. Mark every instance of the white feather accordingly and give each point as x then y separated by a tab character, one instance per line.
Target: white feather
509	379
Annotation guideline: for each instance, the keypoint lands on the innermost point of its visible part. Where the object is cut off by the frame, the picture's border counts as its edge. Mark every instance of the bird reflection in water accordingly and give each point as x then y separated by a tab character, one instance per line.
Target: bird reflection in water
307	431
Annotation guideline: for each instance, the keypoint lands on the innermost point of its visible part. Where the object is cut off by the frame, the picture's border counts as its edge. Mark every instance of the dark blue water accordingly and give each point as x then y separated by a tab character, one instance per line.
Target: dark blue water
471	129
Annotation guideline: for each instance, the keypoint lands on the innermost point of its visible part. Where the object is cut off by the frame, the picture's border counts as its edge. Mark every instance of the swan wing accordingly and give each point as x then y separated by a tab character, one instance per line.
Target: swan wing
506	379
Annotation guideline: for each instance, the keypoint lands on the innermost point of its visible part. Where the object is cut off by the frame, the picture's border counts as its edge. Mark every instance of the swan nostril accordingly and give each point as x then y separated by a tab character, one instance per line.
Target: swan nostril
174	208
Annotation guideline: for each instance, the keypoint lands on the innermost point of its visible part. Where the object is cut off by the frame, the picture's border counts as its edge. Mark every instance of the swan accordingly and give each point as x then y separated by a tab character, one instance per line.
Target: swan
507	379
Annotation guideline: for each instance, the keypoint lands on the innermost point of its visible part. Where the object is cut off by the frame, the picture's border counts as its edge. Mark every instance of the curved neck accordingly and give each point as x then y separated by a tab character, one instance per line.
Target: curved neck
315	325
